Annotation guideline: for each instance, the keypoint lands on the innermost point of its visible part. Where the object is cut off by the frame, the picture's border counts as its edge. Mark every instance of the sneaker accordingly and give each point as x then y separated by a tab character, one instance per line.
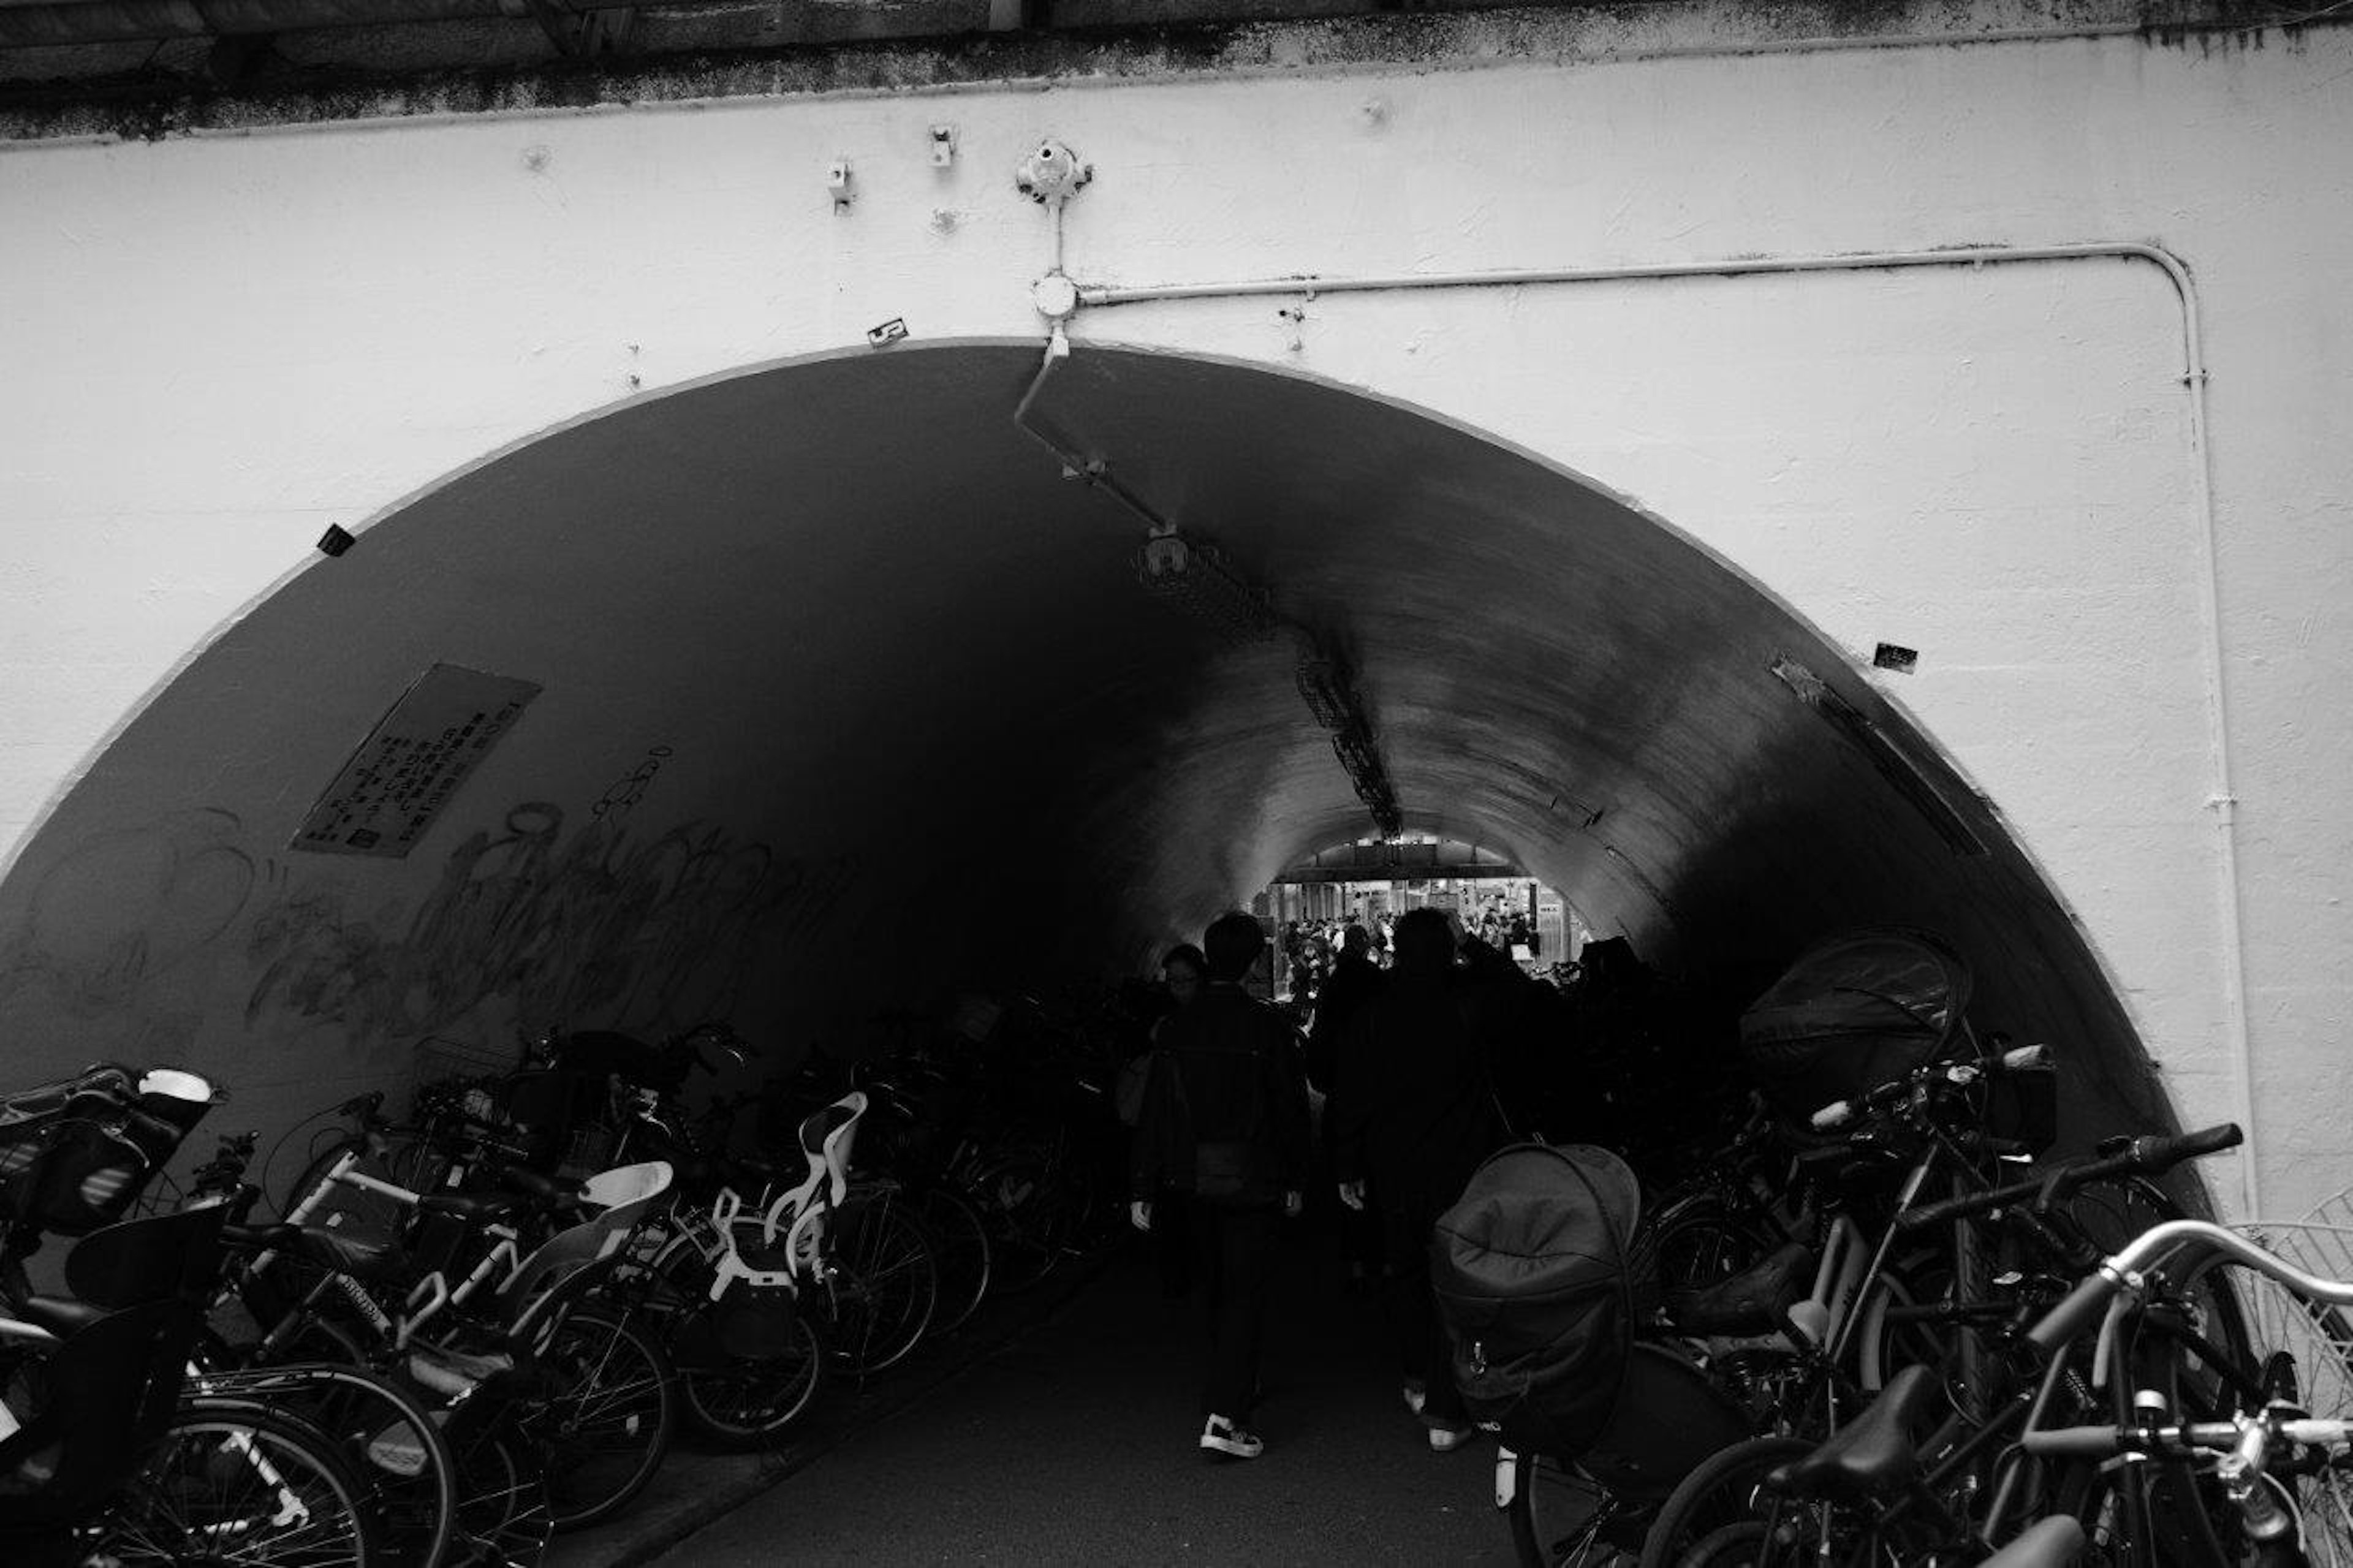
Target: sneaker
1446	1440
1416	1396
1219	1436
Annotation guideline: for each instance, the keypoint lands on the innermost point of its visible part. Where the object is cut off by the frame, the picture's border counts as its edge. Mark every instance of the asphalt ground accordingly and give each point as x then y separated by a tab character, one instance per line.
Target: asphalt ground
1070	1436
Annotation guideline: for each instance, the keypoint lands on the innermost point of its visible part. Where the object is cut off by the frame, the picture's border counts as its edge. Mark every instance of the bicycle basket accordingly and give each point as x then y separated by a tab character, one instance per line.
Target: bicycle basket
453	1072
1856	1011
2319	1338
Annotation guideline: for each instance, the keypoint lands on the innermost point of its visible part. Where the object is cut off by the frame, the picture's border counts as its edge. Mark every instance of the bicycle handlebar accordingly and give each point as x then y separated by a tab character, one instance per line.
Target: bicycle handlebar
2108	1442
2071	1315
1959	1075
2144	1156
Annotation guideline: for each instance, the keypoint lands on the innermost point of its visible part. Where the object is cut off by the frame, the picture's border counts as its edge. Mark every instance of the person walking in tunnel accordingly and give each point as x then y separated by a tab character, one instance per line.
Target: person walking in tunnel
1413	1111
1352	984
1355	980
1224	1124
1183	974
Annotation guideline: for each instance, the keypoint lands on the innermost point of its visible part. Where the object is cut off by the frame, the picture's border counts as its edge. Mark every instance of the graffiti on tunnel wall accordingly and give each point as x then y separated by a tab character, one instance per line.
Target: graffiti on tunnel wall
127	906
556	923
642	932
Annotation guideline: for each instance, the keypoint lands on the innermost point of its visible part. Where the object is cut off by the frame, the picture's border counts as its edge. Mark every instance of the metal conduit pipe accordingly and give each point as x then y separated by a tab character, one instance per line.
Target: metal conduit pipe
2221	801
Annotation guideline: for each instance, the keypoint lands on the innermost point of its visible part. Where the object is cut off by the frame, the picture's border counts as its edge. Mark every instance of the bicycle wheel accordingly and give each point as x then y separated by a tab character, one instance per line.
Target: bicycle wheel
2108	1214
963	1254
1901	1324
884	1279
606	1424
1029	1219
1698	1242
737	1400
238	1486
502	1514
391	1447
1715	1495
1781	1533
755	1402
1745	1544
1558	1517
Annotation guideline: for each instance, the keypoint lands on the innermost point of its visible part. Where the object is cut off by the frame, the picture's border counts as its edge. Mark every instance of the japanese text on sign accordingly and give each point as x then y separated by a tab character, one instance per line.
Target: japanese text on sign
413	761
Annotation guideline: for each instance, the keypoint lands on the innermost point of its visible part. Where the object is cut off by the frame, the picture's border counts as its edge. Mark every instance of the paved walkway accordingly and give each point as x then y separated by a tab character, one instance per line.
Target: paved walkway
1075	1444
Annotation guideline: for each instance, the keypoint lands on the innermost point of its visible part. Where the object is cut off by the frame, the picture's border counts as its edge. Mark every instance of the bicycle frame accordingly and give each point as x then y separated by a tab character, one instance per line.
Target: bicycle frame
427	1298
1909	1523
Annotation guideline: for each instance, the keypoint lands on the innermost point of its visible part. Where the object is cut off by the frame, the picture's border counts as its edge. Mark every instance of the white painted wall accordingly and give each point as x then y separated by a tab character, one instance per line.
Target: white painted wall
215	347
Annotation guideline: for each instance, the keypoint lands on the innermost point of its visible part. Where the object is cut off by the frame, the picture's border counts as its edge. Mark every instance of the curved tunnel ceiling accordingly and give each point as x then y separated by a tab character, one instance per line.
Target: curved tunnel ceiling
915	722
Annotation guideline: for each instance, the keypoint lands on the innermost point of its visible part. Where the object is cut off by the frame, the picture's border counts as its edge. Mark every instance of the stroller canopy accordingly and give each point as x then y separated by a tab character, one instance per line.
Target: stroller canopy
1536	1279
1854	1012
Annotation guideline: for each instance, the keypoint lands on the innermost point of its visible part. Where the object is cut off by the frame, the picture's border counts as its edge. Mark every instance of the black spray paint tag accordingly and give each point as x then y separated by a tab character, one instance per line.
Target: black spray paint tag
413	761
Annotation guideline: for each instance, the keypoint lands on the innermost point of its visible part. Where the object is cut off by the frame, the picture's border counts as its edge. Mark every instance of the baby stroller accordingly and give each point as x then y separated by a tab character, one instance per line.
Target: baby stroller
1542	1285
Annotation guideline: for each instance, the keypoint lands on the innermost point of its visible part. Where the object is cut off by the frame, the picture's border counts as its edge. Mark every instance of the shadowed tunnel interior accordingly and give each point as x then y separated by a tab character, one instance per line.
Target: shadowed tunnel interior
851	696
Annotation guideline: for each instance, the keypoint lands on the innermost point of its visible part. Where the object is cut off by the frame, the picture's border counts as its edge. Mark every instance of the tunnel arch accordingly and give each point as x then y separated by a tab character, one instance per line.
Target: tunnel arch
916	725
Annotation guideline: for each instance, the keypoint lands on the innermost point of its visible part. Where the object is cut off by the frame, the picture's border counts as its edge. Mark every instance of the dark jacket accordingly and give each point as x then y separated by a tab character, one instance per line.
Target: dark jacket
1239	1062
1413	1108
1353	985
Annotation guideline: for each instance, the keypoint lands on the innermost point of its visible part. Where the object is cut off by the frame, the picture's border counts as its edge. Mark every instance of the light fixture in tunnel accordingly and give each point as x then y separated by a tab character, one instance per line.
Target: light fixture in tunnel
1354	746
1329	690
1191	576
1324	686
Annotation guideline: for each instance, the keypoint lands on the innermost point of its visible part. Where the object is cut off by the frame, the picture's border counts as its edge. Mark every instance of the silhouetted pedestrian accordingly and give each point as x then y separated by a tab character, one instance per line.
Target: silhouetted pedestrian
1354	982
1412	1113
1184	971
1225	1122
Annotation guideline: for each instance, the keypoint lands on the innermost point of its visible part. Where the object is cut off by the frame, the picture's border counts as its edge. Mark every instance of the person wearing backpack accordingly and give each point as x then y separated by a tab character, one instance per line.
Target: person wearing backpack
1412	1113
1225	1122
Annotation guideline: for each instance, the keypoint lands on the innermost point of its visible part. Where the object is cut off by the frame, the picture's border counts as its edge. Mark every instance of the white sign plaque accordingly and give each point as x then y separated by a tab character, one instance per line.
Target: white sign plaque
413	761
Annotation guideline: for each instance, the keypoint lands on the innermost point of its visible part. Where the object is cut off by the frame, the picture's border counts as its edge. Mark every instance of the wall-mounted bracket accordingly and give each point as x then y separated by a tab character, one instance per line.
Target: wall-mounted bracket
1051	174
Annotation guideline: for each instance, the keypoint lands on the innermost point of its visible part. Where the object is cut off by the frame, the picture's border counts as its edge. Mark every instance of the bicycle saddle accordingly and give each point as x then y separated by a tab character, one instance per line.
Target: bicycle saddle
476	1206
259	1239
1751	1301
1869	1458
382	1262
